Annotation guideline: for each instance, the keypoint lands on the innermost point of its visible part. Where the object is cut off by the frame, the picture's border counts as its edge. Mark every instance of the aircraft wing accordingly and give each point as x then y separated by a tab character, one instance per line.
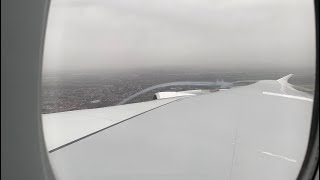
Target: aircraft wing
64	128
259	131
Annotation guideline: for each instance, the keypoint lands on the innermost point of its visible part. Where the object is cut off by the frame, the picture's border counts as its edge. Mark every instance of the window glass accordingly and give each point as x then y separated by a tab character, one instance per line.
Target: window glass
179	89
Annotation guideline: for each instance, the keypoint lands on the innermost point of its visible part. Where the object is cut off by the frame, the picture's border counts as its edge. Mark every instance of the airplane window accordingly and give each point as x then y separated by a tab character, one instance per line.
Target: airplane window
178	89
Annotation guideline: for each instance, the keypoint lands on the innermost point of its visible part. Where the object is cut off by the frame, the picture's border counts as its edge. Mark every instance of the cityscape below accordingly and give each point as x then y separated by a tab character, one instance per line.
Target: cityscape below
75	91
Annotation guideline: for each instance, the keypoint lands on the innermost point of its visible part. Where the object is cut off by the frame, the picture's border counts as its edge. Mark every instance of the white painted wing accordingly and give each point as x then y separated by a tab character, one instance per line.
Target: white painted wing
253	132
64	128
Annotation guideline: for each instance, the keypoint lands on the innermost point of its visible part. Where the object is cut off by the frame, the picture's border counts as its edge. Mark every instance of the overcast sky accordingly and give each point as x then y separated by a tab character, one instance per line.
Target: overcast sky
225	34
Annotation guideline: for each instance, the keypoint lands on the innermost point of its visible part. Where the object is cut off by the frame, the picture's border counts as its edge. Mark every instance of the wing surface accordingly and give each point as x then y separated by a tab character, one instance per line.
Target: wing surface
259	131
64	128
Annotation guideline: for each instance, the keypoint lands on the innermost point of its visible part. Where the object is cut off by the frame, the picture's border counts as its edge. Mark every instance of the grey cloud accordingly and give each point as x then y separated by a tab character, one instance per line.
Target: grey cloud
121	34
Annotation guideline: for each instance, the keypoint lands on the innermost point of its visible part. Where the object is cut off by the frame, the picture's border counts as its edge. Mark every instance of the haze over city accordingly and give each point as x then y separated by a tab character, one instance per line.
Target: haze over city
248	34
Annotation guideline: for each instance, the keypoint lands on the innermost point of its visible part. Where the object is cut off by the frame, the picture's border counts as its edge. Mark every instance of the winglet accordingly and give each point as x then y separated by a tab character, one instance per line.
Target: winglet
285	78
